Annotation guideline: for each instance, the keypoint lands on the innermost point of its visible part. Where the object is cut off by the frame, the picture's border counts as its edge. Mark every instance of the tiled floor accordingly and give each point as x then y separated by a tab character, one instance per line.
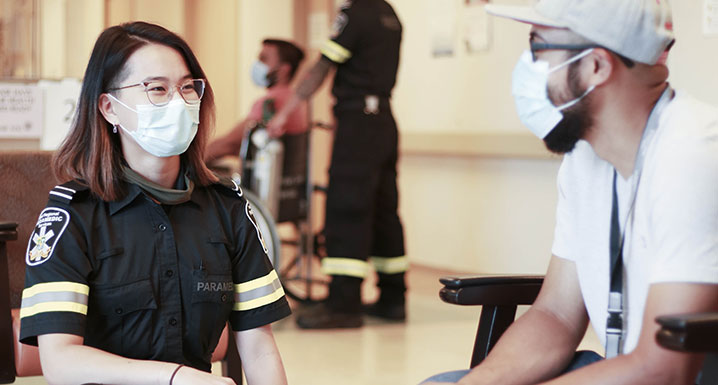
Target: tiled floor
436	337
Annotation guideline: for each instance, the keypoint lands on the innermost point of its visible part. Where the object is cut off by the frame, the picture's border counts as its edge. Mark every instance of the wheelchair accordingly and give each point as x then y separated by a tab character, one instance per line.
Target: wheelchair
276	180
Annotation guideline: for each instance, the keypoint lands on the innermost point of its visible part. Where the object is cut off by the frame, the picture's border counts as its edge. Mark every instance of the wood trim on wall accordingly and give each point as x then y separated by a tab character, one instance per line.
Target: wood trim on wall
495	145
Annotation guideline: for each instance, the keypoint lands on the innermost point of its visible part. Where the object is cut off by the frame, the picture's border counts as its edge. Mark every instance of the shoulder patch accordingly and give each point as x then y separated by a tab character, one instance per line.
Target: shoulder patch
236	187
48	230
231	184
250	215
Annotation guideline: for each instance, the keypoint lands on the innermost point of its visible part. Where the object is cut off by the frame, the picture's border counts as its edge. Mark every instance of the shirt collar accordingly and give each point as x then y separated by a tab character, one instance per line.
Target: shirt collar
134	191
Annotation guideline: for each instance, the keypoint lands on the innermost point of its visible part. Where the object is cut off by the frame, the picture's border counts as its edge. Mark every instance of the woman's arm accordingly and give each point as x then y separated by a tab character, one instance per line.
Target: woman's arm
65	360
261	361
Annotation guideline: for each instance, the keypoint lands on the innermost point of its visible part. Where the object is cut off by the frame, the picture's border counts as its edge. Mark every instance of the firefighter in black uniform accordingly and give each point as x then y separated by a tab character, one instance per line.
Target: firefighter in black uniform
362	200
139	261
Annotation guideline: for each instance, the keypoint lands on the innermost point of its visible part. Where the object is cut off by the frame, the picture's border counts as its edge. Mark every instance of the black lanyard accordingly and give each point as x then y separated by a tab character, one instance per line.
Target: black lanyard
614	323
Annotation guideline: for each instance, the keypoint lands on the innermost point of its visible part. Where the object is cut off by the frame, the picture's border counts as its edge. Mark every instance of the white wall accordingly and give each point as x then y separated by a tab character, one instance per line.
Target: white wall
257	21
471	92
465	92
477	214
694	58
485	213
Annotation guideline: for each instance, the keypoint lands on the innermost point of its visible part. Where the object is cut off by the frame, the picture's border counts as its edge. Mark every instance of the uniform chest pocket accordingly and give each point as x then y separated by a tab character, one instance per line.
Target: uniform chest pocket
111	252
124	299
207	287
215	257
127	319
212	301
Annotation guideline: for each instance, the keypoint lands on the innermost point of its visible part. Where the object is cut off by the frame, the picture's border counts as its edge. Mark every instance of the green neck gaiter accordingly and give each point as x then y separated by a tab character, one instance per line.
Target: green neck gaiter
166	196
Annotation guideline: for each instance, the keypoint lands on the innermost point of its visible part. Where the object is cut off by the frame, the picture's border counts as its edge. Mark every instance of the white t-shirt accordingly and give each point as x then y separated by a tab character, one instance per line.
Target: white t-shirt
672	235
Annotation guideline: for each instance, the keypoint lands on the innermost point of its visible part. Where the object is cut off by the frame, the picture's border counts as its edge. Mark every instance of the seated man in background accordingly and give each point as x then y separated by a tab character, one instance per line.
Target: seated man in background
636	232
275	68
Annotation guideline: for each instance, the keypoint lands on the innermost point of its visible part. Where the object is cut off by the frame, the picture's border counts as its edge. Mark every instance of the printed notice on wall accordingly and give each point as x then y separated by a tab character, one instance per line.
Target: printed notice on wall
20	110
477	26
443	17
59	105
710	17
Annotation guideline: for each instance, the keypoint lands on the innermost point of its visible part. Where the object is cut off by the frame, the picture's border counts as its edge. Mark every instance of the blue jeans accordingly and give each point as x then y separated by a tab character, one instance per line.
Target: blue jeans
580	359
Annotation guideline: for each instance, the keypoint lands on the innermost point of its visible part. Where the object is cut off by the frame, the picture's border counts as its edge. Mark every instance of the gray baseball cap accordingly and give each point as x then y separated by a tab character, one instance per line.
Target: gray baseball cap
641	30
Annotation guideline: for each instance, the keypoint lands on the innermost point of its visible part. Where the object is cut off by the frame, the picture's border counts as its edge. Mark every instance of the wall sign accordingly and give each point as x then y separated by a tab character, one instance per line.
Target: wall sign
21	111
710	17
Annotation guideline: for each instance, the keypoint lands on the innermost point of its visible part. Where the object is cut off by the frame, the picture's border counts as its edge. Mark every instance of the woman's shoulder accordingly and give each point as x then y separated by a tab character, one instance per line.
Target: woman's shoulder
226	190
70	193
225	185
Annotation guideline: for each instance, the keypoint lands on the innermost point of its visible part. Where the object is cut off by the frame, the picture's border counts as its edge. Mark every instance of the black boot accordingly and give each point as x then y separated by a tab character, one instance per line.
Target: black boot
392	300
341	309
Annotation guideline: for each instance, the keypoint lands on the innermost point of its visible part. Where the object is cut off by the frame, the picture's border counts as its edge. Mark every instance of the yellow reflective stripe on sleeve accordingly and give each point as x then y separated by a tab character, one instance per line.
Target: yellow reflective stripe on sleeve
335	52
256	283
258	292
345	266
48	307
48	287
391	265
54	297
259	302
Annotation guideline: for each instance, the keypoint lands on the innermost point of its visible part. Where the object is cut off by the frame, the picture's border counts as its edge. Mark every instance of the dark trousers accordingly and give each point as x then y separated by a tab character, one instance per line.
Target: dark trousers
362	201
362	197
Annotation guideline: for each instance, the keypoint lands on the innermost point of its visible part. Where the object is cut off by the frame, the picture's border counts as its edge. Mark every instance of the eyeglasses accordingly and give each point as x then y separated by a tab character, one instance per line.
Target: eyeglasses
160	93
536	47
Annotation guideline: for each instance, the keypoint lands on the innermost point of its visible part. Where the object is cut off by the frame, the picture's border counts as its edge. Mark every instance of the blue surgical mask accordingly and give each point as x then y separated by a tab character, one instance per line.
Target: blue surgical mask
530	91
167	130
259	74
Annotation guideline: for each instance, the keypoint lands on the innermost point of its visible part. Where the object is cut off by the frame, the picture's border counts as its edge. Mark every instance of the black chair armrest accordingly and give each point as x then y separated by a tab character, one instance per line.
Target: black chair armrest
689	332
494	290
499	296
8	232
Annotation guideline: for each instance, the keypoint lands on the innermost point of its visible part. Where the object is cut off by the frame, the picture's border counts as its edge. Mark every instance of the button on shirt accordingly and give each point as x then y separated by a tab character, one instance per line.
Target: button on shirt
148	281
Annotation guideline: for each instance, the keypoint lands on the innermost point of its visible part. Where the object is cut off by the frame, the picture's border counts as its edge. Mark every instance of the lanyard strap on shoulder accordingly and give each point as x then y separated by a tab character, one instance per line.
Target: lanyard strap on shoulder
614	323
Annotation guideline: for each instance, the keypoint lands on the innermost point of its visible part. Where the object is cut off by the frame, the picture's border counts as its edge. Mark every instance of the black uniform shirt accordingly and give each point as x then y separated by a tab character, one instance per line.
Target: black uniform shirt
148	281
365	46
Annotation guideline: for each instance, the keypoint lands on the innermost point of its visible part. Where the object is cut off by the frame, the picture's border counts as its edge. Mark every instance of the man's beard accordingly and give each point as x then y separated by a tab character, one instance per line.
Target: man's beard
576	119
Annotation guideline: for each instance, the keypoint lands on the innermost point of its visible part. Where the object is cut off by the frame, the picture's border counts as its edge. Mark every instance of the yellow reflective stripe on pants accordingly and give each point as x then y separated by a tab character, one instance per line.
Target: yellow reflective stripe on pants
391	265
345	266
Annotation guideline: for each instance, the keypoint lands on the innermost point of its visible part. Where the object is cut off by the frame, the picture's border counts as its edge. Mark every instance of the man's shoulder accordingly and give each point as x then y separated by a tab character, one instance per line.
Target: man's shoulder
685	108
582	159
688	125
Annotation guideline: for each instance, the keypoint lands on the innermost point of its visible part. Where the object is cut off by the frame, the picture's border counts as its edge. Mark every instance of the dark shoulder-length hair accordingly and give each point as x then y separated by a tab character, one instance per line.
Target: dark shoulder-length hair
92	152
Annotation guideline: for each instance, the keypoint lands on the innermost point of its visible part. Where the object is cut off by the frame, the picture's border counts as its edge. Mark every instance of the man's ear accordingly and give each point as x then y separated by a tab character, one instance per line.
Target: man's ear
104	104
285	69
602	65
